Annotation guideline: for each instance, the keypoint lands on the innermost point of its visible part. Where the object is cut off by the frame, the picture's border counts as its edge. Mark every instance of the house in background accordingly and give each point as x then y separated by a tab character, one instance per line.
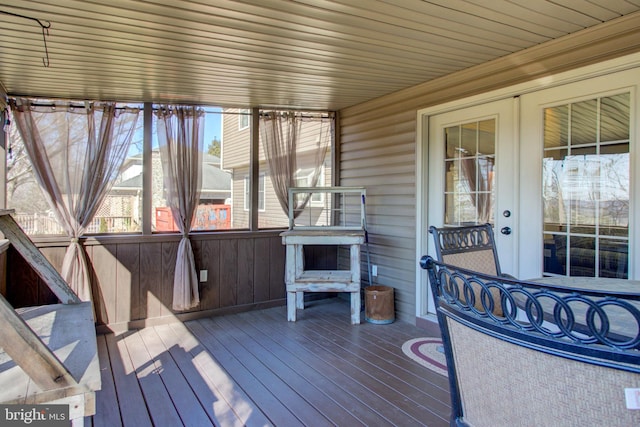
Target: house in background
236	138
125	198
121	209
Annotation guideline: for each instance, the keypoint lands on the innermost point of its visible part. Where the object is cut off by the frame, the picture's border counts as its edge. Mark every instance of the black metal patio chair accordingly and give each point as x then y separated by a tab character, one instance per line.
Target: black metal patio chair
473	248
514	370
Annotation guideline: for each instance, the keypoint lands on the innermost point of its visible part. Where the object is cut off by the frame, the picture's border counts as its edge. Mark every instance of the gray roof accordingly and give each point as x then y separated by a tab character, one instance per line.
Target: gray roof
213	180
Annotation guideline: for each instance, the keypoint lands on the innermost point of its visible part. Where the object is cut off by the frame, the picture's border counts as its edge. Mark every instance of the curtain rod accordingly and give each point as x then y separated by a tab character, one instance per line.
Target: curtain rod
79	105
305	114
82	104
73	104
327	115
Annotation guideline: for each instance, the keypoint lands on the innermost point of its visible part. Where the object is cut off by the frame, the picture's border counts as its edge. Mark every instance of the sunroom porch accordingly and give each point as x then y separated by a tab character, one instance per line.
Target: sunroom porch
380	139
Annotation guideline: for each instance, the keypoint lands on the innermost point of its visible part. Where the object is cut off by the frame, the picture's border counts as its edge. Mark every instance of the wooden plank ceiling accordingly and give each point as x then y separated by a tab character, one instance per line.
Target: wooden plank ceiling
310	54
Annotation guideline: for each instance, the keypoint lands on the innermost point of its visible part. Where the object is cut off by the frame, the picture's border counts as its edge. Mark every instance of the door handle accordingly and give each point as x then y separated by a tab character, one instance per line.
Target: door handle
505	230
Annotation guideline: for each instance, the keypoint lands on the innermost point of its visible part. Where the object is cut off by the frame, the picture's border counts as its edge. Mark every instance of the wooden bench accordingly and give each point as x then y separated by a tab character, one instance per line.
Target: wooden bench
49	353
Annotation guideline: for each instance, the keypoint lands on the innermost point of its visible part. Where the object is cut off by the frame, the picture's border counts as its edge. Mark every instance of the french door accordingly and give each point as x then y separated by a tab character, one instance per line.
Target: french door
472	179
555	170
580	188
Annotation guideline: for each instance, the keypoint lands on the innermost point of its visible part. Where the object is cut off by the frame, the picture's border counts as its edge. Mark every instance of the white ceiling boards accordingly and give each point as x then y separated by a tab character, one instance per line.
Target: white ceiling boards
313	54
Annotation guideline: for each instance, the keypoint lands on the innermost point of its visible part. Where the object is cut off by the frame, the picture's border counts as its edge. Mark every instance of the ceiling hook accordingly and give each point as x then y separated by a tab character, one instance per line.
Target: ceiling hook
45	33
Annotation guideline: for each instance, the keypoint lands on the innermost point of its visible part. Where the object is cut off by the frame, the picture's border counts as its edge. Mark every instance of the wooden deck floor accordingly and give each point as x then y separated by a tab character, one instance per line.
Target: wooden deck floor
257	369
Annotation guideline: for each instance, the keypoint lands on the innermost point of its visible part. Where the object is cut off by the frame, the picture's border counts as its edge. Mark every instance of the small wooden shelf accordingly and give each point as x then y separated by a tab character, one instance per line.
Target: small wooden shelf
323	237
325	276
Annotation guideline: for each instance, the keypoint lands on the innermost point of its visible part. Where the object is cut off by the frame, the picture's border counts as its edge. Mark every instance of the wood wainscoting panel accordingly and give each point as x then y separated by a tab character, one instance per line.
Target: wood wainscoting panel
22	282
133	276
262	270
277	257
104	262
165	295
207	252
150	279
128	282
246	257
229	264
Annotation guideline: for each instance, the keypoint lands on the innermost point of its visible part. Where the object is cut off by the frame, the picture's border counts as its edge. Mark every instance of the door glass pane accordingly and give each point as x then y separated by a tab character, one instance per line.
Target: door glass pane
614	121
586	188
556	127
487	137
552	172
613	258
452	141
468	139
470	172
584	122
582	259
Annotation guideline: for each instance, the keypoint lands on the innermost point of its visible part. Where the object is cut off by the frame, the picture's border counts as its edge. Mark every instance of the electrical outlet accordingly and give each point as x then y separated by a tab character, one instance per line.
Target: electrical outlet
204	275
632	396
374	270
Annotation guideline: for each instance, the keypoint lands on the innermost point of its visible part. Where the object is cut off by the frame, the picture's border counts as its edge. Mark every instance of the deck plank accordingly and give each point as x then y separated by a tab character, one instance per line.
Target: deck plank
272	407
177	386
388	357
406	411
130	399
155	393
107	410
258	369
231	406
308	390
279	387
314	374
421	400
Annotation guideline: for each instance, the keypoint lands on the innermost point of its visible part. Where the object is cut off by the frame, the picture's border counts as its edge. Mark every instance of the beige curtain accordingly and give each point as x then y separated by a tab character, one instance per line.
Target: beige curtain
76	153
280	135
180	139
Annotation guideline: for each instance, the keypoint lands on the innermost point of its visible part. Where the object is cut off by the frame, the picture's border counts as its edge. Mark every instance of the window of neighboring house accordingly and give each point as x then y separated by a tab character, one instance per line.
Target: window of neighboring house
120	210
243	118
304	178
247	195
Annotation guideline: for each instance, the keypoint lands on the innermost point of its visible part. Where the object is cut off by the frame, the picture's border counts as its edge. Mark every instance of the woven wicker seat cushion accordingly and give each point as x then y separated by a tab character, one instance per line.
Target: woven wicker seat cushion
503	384
483	262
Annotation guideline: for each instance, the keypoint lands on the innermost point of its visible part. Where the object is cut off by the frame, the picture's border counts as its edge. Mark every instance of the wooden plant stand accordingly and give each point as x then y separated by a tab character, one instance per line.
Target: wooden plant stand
298	280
